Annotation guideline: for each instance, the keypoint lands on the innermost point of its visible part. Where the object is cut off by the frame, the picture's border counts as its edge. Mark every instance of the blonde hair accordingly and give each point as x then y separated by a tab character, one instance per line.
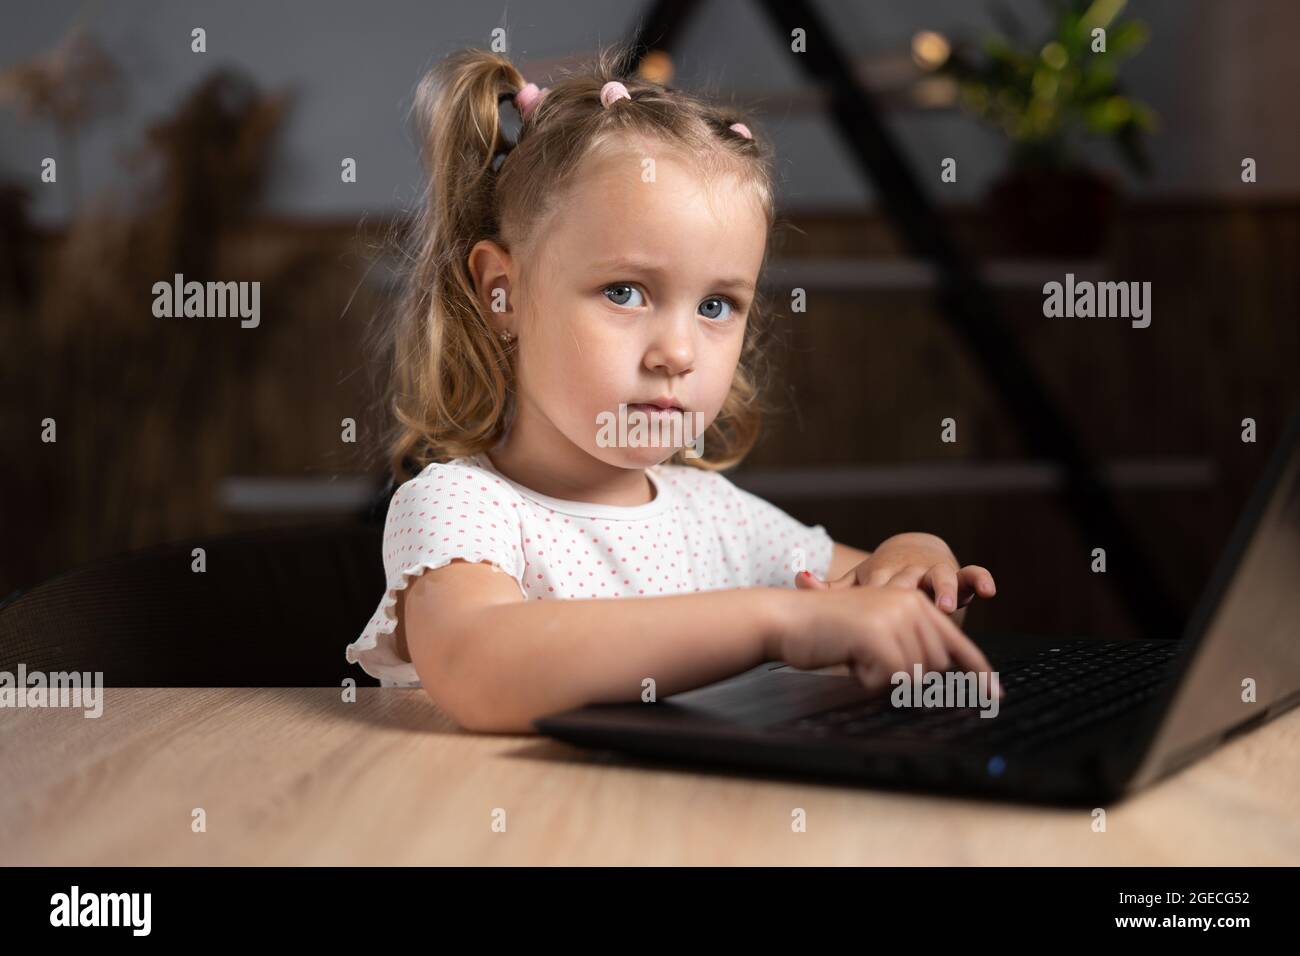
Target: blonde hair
451	380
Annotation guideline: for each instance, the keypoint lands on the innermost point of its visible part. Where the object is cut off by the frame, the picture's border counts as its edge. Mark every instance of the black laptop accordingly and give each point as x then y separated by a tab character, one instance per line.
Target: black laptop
1083	721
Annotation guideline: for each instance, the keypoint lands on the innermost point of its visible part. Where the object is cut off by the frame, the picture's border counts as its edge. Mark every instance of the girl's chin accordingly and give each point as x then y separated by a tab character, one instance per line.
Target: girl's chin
638	457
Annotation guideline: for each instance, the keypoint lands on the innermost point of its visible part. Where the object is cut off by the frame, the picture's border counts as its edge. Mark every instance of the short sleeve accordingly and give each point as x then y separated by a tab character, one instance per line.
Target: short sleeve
779	545
448	511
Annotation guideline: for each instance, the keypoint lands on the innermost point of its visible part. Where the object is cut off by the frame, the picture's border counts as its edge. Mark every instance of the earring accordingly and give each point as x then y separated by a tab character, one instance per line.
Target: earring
505	337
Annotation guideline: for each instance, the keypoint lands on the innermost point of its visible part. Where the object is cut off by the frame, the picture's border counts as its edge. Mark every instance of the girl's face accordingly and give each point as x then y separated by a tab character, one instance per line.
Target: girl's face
639	292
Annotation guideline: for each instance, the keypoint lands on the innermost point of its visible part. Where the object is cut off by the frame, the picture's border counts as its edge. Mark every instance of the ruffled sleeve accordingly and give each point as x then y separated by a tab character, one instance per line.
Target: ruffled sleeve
448	511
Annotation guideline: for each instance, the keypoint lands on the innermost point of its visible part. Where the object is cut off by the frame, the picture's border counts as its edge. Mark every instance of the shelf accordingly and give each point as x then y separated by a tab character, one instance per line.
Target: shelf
350	494
849	273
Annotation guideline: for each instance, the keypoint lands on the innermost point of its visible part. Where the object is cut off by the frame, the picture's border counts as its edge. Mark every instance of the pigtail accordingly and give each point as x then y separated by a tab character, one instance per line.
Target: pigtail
449	391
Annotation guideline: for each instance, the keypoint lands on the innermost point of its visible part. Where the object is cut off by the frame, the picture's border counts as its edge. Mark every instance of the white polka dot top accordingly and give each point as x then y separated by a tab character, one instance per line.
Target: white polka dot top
700	532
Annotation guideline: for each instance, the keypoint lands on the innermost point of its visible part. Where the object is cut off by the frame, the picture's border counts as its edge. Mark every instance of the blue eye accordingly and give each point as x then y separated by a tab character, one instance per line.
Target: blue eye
625	291
705	309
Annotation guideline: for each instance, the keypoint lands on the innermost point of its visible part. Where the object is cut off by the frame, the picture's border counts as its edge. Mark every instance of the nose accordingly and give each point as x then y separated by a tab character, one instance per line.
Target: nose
672	348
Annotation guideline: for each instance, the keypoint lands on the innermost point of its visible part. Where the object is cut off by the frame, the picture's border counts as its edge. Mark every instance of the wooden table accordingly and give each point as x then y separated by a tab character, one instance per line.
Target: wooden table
297	776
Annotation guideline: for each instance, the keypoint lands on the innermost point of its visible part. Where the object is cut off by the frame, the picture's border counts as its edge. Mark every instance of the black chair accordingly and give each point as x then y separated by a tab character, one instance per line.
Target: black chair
273	608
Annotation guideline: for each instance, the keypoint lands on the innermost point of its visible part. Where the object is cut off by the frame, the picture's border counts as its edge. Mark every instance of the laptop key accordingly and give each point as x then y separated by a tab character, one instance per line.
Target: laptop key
1061	689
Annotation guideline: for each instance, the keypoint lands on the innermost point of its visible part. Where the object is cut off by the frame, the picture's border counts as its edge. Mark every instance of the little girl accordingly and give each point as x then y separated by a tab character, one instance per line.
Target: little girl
606	263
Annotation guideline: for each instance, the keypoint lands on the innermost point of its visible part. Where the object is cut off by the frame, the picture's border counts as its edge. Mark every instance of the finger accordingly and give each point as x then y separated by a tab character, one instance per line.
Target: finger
925	627
964	651
846	580
880	577
869	676
976	581
913	651
882	659
973	660
937	657
909	577
806	581
942	582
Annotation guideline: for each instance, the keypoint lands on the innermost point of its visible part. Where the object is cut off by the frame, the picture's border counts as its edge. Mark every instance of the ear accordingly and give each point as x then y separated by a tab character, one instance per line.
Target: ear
490	267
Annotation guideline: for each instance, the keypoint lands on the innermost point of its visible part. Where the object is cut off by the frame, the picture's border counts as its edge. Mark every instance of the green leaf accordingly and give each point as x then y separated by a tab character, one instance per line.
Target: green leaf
1127	38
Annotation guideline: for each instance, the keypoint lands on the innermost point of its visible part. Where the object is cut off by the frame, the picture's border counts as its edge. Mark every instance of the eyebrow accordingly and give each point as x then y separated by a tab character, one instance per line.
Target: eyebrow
626	264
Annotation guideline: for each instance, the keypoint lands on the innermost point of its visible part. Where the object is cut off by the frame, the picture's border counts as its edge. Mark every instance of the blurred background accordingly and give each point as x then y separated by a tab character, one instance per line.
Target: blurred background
924	291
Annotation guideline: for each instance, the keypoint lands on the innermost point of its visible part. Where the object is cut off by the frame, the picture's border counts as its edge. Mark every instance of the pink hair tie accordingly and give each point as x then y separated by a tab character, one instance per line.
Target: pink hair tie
611	91
527	98
742	129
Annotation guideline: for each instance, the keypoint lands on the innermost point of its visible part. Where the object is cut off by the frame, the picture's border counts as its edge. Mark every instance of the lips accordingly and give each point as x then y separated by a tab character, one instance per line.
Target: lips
646	408
659	404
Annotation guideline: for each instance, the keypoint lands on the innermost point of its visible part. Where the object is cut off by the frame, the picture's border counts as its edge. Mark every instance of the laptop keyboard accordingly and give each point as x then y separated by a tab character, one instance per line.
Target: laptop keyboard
1057	691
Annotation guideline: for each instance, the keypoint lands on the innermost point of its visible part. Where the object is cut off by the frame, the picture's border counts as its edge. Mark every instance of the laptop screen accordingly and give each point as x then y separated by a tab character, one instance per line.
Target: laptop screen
1246	634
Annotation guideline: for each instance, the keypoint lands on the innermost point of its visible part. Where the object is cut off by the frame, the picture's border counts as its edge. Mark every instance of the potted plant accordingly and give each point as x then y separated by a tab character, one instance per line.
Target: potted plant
1048	96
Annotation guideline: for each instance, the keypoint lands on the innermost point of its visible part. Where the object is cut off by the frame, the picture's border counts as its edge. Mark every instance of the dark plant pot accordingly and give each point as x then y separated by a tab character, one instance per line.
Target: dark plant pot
1052	212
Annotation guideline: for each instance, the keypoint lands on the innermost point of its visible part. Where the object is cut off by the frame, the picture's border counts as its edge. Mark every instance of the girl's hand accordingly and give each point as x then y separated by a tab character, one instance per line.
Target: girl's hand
914	561
877	631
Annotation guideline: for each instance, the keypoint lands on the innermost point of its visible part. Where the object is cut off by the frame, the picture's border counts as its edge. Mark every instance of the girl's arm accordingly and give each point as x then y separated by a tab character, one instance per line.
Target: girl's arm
494	661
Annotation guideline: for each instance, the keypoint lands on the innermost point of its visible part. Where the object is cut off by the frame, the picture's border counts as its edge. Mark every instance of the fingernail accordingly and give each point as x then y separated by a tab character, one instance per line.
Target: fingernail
945	602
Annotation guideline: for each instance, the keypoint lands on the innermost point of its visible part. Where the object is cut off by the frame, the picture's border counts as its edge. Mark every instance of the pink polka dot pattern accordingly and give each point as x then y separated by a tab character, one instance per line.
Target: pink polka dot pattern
699	533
